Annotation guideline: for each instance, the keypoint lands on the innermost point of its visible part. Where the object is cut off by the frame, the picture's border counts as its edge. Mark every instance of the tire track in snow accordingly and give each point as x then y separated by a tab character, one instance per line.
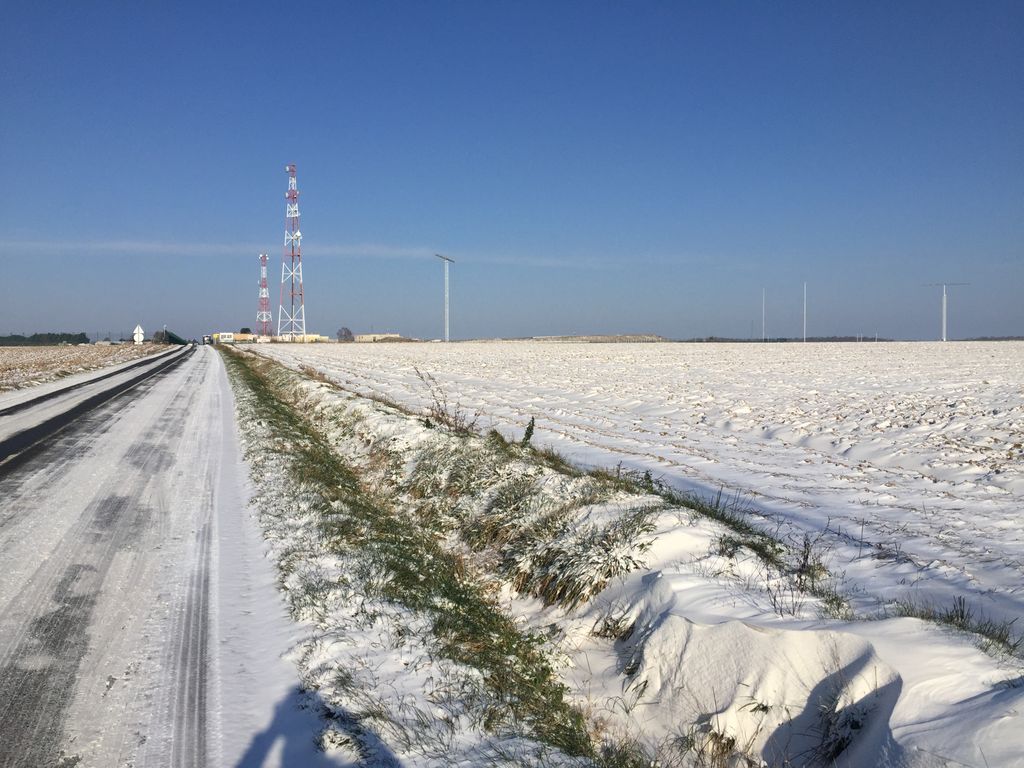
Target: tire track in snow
41	665
189	662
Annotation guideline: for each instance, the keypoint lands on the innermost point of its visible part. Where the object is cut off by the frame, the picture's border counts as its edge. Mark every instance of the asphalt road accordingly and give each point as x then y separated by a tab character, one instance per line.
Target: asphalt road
106	539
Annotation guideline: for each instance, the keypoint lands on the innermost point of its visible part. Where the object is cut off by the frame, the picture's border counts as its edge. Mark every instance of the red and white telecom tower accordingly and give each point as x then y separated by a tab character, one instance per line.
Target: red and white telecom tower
264	318
291	320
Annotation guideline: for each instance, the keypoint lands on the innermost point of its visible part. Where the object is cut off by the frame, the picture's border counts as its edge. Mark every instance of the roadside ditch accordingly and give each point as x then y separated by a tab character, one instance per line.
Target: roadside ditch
403	540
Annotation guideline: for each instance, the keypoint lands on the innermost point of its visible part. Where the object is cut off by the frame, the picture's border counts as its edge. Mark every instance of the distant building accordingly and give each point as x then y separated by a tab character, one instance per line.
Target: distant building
364	338
308	338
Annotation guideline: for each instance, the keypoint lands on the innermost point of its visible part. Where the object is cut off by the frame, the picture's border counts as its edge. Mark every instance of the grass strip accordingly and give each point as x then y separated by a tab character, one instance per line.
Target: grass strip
412	569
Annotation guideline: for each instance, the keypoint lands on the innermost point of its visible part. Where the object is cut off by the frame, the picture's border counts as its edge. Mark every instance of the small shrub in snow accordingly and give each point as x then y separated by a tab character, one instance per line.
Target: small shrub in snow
528	433
443	411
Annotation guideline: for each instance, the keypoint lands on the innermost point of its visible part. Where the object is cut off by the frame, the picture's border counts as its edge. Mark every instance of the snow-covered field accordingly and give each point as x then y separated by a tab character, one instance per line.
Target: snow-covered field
28	366
903	461
915	449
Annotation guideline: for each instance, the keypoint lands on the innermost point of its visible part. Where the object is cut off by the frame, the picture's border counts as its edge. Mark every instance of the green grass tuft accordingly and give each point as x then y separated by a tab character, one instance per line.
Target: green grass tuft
994	635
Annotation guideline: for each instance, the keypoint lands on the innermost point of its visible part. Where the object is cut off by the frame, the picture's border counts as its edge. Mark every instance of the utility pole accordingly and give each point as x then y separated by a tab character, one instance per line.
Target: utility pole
764	337
944	313
446	261
936	285
805	313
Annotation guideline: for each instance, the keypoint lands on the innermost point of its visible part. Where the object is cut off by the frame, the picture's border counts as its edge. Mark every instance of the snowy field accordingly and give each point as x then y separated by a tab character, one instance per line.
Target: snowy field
902	461
914	448
28	366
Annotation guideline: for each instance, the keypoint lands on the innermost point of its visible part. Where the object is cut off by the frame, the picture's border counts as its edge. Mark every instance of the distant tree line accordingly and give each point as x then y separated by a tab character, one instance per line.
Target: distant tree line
43	339
777	339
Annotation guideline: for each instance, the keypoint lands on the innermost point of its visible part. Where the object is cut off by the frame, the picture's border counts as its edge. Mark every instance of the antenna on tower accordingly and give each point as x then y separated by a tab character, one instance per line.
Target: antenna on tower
936	285
263	317
291	321
446	261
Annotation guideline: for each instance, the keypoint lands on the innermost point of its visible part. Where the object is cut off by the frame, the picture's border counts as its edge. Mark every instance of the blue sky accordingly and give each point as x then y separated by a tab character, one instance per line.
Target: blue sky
592	167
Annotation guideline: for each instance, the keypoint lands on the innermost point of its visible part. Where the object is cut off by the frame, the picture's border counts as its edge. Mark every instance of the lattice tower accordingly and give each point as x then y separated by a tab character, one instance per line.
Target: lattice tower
291	317
264	318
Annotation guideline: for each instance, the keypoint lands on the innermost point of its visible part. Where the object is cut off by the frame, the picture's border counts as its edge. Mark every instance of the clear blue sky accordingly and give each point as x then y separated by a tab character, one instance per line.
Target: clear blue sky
592	167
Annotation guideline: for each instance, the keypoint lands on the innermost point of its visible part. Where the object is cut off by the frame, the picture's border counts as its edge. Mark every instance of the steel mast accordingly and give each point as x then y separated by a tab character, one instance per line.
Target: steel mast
291	319
264	318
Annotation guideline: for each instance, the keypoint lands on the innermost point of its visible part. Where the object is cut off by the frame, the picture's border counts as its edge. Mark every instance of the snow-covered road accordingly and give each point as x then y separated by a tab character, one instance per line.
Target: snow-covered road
121	601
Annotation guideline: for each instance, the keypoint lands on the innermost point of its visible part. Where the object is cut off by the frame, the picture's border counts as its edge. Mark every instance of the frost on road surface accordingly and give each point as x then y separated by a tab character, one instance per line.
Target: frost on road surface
138	623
